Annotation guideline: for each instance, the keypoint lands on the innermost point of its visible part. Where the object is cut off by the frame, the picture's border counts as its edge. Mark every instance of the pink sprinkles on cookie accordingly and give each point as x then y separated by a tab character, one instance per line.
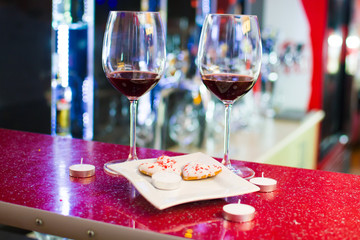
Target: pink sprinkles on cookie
194	170
162	163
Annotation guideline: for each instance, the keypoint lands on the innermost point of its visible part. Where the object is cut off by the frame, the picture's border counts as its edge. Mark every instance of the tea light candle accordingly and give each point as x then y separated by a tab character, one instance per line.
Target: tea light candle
238	212
82	170
166	180
265	184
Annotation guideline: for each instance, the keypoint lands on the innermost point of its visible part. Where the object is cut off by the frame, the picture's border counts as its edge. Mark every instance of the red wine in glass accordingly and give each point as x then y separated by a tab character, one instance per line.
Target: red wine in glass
229	61
228	87
133	60
133	84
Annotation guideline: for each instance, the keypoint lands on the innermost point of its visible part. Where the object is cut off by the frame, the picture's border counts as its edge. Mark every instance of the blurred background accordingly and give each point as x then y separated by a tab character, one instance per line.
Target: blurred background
52	82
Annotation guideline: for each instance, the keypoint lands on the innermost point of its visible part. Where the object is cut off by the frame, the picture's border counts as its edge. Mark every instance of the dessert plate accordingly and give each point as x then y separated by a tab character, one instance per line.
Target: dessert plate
225	184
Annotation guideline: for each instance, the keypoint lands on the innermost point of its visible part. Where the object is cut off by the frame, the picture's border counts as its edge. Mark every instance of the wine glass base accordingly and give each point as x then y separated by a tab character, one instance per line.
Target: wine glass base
242	171
110	171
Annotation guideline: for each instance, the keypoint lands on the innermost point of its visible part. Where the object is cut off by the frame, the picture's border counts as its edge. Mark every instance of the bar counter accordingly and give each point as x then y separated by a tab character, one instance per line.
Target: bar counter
37	193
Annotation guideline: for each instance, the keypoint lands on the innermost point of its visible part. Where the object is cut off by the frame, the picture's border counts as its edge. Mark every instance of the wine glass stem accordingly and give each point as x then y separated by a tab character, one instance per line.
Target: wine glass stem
133	108
226	160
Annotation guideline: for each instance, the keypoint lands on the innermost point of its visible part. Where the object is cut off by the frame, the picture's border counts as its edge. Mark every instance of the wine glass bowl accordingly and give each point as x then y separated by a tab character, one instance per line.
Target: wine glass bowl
229	61
133	60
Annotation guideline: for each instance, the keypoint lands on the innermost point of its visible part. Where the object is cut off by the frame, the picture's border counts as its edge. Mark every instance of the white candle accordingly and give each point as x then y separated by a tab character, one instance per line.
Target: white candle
166	180
265	184
238	212
82	170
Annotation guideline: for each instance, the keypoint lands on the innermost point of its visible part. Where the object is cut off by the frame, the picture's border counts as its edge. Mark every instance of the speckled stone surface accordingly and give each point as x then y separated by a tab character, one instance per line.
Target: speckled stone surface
306	205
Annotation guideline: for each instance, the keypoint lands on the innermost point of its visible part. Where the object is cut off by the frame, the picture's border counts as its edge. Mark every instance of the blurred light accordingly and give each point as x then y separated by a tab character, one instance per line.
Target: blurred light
273	76
85	118
87	97
68	95
63	52
85	91
215	32
144	5
352	42
87	16
344	139
144	109
205	7
335	40
273	58
194	3
238	32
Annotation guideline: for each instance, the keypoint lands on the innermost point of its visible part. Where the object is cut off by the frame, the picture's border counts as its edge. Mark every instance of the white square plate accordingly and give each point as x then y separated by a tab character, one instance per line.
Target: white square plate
225	184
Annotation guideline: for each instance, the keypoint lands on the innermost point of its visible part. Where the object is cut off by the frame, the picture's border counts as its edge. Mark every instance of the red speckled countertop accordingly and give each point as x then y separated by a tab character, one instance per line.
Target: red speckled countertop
308	204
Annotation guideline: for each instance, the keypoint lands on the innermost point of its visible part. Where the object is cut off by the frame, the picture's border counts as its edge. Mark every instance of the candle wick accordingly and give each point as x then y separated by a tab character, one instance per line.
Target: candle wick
81	160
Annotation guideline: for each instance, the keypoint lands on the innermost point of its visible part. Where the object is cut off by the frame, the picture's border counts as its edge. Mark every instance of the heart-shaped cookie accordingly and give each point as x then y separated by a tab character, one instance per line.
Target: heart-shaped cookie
195	171
162	163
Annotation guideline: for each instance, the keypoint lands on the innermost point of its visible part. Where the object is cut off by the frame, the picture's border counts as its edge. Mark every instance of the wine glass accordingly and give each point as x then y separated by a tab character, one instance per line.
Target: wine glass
133	59
229	60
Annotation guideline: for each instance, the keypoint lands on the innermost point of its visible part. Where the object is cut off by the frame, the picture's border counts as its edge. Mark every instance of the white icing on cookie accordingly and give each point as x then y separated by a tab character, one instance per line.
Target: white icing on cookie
163	163
194	170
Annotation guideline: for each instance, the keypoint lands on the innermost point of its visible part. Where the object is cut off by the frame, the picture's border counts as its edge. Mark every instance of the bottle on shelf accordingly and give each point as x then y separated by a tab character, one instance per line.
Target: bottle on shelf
72	68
